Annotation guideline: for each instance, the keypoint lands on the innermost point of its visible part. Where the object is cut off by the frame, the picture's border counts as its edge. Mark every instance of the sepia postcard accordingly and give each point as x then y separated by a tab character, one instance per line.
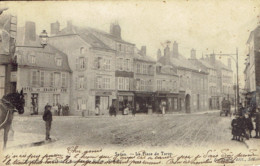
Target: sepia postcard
130	82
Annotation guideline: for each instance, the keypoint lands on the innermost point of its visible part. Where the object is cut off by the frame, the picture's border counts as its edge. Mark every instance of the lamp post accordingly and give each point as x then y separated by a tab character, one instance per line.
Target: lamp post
237	85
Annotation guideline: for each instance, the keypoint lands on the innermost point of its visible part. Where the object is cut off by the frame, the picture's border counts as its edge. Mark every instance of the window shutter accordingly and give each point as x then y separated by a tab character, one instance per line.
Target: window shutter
85	83
131	84
76	83
77	64
85	62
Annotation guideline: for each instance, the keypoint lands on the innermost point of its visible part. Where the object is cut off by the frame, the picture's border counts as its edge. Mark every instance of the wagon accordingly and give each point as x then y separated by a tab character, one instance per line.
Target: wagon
226	108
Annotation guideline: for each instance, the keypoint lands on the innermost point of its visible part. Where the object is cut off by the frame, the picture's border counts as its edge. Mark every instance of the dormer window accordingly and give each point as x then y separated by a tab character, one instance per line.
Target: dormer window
58	61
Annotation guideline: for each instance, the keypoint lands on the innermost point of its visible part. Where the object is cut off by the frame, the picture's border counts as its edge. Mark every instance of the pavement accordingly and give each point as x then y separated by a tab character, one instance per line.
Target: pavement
205	128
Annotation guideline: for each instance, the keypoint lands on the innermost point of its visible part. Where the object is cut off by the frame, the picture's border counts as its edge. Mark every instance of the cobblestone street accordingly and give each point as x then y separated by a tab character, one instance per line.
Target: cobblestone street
191	130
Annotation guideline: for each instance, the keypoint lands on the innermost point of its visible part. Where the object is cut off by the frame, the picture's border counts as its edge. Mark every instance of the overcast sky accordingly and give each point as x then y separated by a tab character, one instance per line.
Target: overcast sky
202	25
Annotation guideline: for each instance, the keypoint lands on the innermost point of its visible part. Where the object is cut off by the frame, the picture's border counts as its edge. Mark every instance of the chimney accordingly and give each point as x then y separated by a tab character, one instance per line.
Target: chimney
143	50
167	55
175	49
159	54
30	32
212	58
55	28
115	30
69	26
229	63
193	54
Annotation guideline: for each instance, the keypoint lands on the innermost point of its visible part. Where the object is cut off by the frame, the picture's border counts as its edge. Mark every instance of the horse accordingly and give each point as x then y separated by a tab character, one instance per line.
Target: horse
10	103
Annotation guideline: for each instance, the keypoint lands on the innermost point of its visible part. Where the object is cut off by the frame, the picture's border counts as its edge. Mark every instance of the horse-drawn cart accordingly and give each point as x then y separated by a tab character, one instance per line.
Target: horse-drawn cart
226	108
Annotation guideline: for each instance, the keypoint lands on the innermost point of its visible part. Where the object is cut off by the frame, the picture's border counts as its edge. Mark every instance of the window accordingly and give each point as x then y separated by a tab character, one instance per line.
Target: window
159	85
125	65
58	61
2	80
82	51
138	68
57	79
79	102
33	59
99	82
120	63
34	78
106	83
82	63
42	79
81	82
128	65
137	86
107	64
123	83
142	85
63	79
145	69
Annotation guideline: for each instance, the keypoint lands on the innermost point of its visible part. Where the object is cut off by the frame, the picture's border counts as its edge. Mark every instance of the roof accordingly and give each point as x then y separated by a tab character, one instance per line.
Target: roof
45	58
205	63
110	36
182	62
93	41
252	33
138	56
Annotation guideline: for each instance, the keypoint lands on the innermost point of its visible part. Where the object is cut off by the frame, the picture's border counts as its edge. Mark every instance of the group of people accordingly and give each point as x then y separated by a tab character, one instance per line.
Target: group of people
59	109
244	123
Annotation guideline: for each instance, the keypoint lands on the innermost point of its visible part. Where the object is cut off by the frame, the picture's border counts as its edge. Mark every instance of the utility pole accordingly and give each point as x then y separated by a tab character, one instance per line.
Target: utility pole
237	79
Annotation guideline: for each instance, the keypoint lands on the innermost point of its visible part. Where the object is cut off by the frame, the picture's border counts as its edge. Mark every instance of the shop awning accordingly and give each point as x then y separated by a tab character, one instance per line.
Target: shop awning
144	94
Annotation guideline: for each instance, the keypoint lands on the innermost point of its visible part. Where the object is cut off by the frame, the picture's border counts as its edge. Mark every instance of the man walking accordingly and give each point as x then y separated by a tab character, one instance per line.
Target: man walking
47	117
257	123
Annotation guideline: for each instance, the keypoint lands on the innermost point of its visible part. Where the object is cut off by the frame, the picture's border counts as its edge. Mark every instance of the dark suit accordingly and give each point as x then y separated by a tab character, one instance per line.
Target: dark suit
47	117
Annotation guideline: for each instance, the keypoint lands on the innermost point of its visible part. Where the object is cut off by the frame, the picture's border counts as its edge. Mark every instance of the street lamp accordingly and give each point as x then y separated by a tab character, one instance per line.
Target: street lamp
237	87
44	38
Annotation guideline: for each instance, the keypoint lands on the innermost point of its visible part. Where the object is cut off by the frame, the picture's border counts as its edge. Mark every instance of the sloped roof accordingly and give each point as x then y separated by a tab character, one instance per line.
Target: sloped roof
110	36
45	58
146	58
181	61
93	41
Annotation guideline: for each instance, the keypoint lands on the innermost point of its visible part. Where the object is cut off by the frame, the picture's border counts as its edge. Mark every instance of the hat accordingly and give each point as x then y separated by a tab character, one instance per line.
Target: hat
48	106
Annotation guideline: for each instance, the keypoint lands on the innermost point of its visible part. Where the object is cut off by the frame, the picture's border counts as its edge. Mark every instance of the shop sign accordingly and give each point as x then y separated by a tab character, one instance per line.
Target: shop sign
45	90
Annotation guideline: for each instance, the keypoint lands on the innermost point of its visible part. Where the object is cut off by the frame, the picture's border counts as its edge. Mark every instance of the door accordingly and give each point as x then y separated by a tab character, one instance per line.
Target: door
104	104
56	99
187	103
34	103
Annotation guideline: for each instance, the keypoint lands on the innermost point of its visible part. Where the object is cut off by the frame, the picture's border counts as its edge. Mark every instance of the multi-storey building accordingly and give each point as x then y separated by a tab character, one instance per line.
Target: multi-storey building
252	69
93	65
167	86
223	79
144	72
124	71
7	62
43	73
193	81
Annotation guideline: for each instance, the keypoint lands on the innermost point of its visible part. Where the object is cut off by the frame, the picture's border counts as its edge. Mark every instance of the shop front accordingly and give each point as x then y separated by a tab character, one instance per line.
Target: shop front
172	102
144	102
160	101
103	99
124	99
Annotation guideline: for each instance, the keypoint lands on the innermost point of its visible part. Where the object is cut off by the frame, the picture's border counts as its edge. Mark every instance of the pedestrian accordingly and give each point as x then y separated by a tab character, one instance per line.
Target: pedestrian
97	110
126	110
112	110
47	117
234	125
67	109
249	125
257	123
59	109
163	107
241	127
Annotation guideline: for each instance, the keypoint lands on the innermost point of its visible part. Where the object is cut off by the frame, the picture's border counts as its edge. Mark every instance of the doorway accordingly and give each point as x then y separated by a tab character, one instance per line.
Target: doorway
34	103
187	103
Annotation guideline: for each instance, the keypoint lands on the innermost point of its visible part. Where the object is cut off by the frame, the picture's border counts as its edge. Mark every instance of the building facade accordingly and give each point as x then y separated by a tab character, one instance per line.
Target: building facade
252	69
93	65
8	65
144	73
43	73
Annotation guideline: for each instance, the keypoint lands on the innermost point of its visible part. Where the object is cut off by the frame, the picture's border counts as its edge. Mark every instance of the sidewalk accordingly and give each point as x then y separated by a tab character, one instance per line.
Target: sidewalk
22	140
253	143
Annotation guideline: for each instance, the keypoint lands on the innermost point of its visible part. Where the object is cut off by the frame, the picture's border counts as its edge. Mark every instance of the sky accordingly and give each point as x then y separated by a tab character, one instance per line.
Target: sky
221	26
